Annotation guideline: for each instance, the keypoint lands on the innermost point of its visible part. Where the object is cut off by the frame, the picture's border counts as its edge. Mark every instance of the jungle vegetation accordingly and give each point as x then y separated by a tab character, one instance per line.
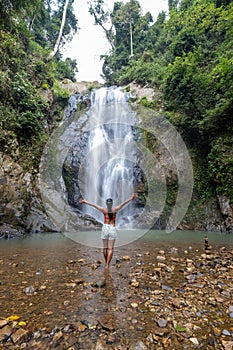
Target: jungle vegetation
186	55
29	31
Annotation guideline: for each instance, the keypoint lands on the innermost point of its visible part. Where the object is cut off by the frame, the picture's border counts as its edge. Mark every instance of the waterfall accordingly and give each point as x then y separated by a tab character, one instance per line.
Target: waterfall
107	170
111	149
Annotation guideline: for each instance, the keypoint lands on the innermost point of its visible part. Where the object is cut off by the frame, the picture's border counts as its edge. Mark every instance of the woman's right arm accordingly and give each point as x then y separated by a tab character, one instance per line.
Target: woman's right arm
84	201
134	195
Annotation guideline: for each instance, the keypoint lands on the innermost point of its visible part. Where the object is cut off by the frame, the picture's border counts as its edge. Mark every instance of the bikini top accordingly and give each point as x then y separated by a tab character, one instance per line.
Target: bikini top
107	220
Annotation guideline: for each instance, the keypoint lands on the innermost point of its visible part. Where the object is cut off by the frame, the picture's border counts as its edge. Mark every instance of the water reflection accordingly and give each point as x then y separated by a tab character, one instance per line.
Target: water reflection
108	301
97	308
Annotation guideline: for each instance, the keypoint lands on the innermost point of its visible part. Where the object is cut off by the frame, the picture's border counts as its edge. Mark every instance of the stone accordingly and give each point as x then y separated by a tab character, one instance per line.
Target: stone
226	332
101	283
134	283
217	331
107	322
160	331
191	278
139	346
134	305
167	288
228	345
29	290
125	257
19	335
100	345
71	284
4	332
162	323
3	323
194	341
173	250
161	258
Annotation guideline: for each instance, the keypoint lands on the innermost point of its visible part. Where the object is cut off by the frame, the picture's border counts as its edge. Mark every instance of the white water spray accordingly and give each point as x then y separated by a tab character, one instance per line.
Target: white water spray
107	171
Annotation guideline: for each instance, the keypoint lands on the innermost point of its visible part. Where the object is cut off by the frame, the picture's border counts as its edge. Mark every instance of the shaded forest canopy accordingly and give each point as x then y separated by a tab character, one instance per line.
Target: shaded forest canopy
185	55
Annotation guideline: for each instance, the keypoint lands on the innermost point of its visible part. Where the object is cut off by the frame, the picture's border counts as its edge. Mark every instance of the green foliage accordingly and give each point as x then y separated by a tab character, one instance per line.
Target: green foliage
149	104
60	98
40	18
188	57
66	69
59	93
26	75
203	186
220	162
129	24
30	154
180	328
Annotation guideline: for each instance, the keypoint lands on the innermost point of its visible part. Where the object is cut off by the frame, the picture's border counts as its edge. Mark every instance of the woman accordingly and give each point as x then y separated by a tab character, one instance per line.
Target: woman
109	233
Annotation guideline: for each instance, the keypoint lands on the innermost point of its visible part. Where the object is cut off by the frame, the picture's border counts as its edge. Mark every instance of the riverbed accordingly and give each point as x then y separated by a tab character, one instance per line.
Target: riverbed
163	291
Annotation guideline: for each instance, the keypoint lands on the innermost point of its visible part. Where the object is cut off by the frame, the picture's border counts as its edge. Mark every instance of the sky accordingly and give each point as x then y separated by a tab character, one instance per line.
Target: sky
90	42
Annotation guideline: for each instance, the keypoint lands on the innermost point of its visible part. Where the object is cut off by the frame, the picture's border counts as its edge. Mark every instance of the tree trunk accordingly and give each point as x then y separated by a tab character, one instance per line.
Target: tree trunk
56	46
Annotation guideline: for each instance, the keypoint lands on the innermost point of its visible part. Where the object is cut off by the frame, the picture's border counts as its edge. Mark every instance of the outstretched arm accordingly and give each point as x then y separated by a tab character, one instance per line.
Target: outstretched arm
84	201
134	195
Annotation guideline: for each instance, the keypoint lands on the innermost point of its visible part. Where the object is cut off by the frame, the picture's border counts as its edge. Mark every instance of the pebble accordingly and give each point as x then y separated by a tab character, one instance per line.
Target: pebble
126	258
140	346
226	332
134	283
161	258
162	323
29	290
228	345
194	341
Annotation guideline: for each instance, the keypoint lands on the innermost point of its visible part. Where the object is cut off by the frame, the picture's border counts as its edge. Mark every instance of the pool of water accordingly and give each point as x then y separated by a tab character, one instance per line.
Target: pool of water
92	238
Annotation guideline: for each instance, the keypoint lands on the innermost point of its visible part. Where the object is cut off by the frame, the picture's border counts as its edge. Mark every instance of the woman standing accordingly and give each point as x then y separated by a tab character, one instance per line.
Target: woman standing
109	232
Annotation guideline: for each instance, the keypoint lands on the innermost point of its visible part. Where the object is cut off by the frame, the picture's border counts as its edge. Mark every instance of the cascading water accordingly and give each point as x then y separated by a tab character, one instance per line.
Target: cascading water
107	171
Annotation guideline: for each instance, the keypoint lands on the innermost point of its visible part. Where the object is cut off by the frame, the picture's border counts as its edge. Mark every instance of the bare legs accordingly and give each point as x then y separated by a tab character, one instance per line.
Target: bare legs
108	247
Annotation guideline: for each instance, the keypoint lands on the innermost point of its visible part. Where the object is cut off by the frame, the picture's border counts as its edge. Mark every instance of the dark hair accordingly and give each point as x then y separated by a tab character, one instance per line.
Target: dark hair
109	200
110	214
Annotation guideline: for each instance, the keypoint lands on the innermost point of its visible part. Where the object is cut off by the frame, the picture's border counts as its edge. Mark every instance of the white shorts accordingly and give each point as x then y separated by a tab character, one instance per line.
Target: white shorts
108	232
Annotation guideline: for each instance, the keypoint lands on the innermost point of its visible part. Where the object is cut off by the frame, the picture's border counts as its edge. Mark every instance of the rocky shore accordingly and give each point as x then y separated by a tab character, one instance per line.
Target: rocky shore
155	296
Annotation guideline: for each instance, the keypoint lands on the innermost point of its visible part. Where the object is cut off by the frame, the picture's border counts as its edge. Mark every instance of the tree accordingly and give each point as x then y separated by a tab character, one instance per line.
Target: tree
54	24
20	10
57	44
102	18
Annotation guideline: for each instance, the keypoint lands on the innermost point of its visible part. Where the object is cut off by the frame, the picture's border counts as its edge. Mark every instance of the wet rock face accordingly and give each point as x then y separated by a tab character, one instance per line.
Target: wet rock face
14	187
227	212
20	206
215	215
7	232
